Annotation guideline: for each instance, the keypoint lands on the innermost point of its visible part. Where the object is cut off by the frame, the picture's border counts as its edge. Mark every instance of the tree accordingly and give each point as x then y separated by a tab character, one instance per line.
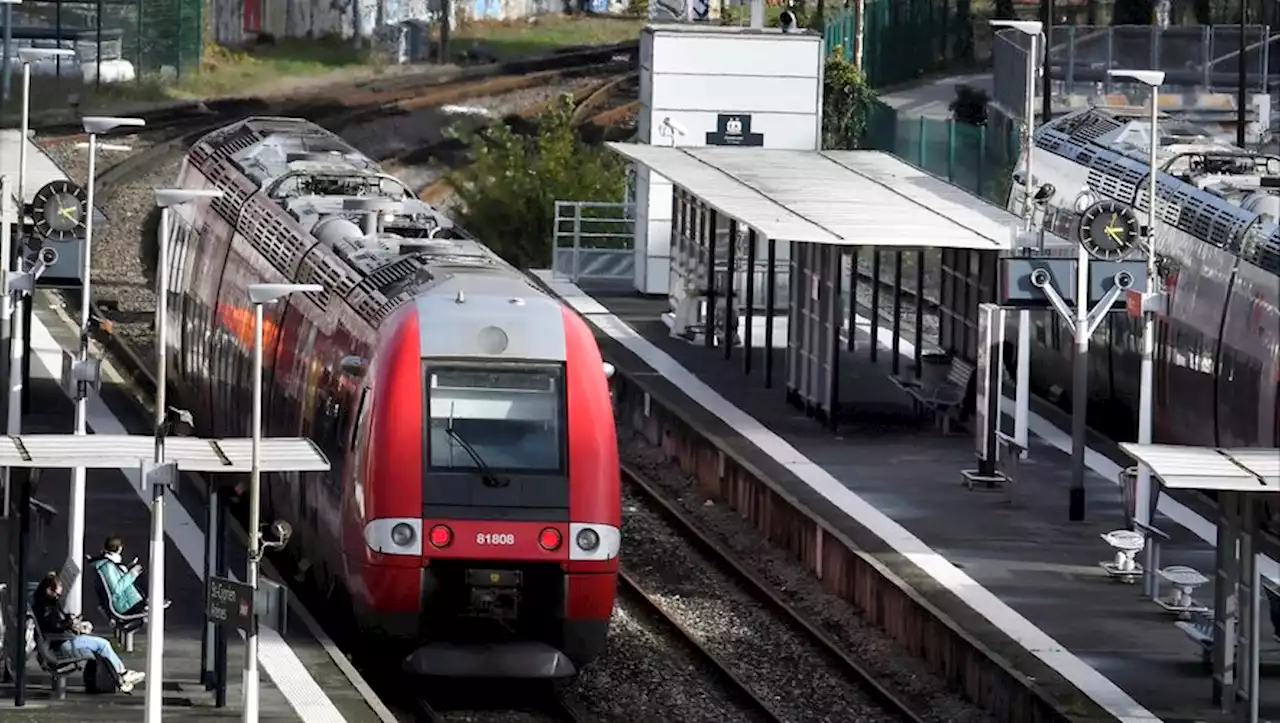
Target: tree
847	103
1132	12
1204	12
1004	10
506	196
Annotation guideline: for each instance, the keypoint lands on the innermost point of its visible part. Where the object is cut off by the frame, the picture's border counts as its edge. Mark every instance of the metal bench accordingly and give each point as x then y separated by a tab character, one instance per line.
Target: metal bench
122	625
1200	630
57	658
943	398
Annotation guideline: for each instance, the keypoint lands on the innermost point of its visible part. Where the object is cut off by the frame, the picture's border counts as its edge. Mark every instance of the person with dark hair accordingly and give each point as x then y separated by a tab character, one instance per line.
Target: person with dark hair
120	579
53	620
127	596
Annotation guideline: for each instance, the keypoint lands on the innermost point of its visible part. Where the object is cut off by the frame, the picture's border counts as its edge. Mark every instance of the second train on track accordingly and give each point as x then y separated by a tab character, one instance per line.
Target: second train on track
471	520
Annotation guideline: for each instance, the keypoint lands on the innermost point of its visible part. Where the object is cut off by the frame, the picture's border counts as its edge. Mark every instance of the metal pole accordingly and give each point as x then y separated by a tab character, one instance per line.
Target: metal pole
220	633
751	302
1046	105
6	312
75	543
1022	391
8	46
155	593
1146	393
208	641
1029	118
1241	97
1079	387
24	602
771	279
1255	637
255	537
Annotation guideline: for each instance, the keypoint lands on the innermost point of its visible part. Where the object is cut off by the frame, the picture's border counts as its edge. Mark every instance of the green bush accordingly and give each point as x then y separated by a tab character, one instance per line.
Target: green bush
847	101
507	196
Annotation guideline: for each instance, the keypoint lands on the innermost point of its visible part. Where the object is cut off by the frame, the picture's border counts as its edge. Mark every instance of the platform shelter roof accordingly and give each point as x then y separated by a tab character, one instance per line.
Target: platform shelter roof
114	451
1210	468
846	198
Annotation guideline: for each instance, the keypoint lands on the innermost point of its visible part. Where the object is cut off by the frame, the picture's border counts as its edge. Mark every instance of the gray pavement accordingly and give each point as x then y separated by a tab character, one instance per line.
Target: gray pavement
1029	555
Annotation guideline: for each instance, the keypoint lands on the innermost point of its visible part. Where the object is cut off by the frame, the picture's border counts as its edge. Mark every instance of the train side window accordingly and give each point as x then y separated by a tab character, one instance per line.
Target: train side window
358	419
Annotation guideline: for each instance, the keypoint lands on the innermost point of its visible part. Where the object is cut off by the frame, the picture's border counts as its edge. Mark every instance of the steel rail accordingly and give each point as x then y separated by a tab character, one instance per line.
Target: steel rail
766	592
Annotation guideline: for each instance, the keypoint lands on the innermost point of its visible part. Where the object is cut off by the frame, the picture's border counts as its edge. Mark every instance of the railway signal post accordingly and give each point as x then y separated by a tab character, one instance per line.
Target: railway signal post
260	295
166	199
85	371
1153	79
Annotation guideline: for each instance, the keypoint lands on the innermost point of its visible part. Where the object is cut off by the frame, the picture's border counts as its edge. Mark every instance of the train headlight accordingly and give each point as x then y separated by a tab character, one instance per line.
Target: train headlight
588	540
402	534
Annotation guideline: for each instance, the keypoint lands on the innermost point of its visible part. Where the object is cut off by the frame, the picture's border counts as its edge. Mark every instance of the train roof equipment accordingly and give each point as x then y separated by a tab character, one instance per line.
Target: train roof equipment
1214	191
385	246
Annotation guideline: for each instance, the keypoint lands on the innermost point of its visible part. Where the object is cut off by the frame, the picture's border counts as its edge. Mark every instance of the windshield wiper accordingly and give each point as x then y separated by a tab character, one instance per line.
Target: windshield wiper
486	475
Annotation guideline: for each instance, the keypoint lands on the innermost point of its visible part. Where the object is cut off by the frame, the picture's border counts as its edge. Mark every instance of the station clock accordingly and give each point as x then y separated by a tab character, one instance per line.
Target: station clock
59	210
1109	230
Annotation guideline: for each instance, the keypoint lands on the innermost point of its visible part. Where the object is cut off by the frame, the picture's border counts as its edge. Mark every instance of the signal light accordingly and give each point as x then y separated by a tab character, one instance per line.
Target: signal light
549	538
441	536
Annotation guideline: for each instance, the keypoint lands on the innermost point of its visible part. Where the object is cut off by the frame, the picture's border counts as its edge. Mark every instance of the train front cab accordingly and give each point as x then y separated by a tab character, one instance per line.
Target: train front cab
489	514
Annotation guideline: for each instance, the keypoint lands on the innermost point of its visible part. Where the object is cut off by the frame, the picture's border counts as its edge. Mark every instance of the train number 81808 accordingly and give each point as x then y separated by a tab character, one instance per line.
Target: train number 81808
495	538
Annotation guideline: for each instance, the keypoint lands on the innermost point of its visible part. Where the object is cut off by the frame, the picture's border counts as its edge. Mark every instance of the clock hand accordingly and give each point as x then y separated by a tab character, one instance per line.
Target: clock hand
67	211
1113	232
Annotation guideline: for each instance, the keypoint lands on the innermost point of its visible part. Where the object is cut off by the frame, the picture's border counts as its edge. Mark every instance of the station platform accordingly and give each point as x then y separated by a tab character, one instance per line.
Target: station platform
1020	578
304	677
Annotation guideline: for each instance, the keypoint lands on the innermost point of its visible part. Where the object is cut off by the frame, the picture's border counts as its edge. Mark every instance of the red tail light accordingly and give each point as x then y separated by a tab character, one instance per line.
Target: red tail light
441	536
549	538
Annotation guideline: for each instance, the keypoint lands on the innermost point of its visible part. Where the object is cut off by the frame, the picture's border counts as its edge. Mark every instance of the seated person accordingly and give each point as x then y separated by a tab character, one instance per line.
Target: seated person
53	620
121	580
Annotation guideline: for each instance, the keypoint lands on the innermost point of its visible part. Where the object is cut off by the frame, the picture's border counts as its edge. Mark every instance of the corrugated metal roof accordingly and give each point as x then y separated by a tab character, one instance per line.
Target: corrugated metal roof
113	451
1207	468
847	198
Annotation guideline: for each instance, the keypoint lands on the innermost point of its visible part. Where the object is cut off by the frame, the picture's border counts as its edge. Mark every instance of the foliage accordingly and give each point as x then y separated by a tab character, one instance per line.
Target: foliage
507	196
847	101
963	49
1203	10
1004	10
527	36
970	105
1132	12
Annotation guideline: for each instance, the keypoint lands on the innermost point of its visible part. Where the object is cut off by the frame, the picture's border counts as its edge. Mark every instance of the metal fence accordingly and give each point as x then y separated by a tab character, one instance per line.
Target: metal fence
978	159
593	243
1199	57
904	39
115	41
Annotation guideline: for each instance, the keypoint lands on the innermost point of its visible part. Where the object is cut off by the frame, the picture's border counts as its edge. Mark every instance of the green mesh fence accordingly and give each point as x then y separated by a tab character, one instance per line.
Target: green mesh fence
905	39
975	158
154	35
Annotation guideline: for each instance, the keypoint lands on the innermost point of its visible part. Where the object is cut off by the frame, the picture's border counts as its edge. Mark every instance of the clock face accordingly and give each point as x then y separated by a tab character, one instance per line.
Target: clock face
58	210
1109	231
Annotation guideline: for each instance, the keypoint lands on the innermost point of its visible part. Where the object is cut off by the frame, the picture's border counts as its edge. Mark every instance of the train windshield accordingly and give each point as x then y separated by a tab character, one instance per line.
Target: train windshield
511	417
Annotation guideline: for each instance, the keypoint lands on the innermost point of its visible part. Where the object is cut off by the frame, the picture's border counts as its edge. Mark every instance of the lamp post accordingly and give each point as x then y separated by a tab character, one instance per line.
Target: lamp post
1153	79
94	126
166	199
259	295
10	323
1022	400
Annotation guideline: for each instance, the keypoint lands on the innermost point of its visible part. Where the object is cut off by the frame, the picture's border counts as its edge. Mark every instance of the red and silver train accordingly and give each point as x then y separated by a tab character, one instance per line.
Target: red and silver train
1218	244
472	515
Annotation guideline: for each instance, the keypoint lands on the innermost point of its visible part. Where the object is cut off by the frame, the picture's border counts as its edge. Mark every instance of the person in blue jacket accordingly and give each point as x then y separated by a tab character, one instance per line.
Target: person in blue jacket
121	580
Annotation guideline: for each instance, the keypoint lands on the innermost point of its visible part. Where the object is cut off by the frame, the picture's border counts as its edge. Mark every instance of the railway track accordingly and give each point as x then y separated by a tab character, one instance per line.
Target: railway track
821	645
736	686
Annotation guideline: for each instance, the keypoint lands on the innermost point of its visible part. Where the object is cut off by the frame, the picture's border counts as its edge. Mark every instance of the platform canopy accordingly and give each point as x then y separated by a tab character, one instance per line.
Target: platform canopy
847	198
1208	468
114	451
